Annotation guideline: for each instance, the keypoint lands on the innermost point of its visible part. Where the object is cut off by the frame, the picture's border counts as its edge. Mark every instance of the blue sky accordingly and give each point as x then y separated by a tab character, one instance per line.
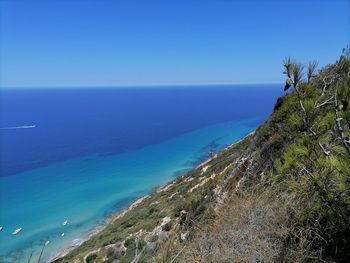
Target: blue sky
149	42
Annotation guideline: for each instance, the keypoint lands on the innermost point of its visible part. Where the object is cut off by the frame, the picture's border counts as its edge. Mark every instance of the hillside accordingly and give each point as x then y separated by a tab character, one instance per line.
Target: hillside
281	194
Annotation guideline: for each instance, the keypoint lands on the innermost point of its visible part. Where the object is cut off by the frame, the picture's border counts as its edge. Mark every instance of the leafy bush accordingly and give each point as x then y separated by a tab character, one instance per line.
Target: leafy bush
91	258
167	227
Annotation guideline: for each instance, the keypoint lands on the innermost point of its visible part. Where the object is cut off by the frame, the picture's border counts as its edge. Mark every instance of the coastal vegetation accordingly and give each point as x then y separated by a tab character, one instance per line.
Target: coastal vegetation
281	194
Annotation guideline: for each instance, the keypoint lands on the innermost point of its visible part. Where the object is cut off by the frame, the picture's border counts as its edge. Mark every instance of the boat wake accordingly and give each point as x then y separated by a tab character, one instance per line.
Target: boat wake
18	127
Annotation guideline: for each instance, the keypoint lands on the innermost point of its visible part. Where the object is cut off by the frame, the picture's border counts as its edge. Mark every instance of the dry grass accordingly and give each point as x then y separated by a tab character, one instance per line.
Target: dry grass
251	228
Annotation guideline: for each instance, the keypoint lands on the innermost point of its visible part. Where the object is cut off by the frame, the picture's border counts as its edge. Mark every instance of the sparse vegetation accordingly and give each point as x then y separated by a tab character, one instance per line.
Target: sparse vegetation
279	195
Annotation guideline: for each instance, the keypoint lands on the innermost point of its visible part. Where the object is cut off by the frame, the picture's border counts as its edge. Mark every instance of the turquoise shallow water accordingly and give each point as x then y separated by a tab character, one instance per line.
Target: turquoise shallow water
80	154
85	190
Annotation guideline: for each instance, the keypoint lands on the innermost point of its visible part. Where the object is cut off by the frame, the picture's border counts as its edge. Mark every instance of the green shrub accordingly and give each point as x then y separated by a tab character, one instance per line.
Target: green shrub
91	258
167	227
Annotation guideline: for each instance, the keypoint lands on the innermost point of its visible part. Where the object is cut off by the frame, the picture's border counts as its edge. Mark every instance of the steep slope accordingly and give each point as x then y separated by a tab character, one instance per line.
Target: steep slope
279	195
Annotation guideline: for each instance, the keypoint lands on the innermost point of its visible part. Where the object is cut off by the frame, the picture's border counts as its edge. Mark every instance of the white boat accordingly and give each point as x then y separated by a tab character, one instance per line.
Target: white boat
1	228
65	223
62	234
17	231
47	242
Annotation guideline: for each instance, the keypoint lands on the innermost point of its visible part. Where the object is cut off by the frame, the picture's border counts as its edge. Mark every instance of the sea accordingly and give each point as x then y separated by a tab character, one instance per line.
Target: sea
81	154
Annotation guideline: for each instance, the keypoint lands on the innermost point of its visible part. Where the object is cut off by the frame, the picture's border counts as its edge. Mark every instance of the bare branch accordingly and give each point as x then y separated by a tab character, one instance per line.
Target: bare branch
326	83
338	123
178	254
328	101
324	150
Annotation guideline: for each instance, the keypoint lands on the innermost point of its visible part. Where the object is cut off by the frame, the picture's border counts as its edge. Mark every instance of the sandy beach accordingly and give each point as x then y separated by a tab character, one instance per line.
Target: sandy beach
113	217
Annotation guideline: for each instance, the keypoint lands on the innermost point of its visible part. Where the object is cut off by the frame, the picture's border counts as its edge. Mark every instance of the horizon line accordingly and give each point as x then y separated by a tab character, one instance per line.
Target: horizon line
140	85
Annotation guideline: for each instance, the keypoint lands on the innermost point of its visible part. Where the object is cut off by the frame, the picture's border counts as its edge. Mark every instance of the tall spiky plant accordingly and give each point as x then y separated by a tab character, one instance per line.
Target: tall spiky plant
288	64
298	74
295	76
311	69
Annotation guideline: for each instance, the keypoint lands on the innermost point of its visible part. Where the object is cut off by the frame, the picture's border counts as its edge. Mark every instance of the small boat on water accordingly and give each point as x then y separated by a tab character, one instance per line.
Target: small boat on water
47	242
65	223
17	231
1	228
62	234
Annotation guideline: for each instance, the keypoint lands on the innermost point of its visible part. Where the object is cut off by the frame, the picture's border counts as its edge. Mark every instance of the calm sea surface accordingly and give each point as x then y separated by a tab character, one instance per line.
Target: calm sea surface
81	154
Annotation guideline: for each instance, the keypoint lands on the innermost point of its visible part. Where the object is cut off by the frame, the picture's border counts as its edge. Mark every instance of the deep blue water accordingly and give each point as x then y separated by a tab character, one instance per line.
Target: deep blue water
112	144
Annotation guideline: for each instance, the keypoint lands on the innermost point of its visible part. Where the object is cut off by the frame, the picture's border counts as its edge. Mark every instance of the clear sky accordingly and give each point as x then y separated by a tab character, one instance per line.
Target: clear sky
164	42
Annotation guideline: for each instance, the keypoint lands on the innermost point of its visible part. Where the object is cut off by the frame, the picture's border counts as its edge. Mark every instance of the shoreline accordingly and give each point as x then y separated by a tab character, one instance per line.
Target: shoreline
99	227
227	147
110	219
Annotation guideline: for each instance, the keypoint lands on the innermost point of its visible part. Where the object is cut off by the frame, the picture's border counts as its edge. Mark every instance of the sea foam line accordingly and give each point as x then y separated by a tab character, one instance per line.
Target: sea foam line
18	127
